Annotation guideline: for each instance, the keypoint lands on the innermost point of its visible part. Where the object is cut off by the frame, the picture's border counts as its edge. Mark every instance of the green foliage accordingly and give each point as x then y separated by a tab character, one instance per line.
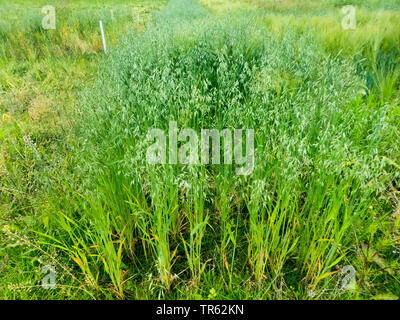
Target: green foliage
323	193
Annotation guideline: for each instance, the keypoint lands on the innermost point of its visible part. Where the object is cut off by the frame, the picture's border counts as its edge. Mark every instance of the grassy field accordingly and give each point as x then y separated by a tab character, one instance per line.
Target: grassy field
78	194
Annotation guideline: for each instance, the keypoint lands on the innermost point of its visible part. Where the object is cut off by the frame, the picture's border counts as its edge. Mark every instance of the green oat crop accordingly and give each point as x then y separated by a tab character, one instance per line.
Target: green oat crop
324	192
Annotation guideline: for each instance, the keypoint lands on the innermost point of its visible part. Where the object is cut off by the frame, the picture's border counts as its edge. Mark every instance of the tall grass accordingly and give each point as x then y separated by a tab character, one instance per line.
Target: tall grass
41	73
315	170
325	160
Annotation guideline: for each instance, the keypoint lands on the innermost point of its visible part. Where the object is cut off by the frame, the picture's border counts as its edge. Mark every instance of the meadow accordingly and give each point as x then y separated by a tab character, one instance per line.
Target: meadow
320	207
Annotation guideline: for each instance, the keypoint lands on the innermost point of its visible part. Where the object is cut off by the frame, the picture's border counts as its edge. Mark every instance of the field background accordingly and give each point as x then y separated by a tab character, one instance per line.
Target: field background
75	194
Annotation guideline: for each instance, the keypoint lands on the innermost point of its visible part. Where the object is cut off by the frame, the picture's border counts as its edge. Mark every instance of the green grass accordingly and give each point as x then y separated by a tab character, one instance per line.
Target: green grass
42	72
77	192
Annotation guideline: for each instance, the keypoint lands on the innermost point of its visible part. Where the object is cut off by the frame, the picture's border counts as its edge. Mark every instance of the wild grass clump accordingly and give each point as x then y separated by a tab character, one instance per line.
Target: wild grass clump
323	193
323	162
41	73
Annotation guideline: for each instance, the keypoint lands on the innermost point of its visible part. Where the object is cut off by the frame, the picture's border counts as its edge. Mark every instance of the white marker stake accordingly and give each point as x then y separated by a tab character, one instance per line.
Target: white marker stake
138	23
102	36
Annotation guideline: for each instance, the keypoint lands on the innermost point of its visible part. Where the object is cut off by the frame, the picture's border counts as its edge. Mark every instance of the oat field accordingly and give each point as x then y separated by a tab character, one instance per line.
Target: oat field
241	149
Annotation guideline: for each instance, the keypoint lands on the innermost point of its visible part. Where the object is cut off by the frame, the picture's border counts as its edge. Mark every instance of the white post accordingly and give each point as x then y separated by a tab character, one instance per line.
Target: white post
138	23
102	36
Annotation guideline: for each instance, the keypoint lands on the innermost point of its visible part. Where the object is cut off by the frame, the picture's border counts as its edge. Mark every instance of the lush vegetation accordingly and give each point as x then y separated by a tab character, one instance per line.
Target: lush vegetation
77	191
